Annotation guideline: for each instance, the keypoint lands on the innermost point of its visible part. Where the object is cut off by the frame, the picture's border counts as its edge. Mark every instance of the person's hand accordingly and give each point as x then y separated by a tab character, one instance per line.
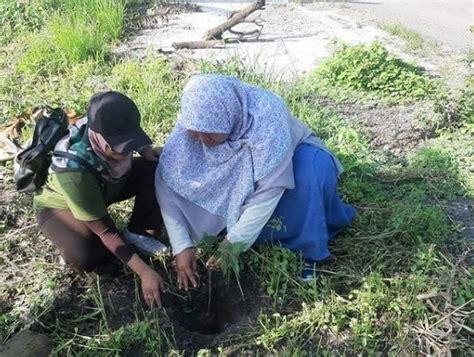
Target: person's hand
152	286
186	267
213	263
152	153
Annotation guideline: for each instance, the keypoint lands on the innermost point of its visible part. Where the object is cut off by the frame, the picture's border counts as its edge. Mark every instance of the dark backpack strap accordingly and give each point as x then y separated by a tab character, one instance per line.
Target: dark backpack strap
91	169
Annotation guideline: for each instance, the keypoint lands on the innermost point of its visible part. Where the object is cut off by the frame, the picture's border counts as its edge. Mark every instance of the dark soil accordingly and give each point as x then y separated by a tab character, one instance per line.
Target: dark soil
184	316
230	313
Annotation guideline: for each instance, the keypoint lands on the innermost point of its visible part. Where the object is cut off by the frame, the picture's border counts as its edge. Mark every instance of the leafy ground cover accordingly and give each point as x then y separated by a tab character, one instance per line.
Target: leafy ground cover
400	279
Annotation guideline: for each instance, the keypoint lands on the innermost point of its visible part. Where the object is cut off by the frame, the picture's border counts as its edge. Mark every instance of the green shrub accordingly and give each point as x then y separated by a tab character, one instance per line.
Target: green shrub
371	69
466	104
18	17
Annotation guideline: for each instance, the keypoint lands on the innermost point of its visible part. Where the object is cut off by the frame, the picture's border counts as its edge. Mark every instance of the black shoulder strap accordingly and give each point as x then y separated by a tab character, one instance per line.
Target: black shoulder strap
91	169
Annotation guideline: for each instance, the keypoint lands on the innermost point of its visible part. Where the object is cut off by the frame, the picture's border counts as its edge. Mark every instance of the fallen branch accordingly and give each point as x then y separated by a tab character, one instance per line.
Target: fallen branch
196	44
216	32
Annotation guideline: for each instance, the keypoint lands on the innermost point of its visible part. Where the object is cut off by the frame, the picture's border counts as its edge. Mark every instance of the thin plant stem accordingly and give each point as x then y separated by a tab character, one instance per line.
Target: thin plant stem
240	287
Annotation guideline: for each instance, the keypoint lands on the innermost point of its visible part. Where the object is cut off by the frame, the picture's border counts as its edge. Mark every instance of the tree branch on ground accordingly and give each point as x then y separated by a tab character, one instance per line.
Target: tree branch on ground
238	17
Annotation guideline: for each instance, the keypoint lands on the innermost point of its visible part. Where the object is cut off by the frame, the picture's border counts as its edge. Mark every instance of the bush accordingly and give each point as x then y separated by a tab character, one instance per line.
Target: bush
371	69
22	16
466	104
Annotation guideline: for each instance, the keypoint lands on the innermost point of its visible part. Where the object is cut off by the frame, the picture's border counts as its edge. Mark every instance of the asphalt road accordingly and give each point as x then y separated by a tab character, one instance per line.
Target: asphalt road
447	21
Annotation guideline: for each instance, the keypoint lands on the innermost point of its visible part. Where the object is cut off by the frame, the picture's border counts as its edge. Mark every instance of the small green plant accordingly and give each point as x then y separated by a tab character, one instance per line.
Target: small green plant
371	69
225	252
228	255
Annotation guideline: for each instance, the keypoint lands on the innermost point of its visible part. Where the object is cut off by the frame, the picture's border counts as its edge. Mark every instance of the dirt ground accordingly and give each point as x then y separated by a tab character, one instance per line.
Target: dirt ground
294	39
189	318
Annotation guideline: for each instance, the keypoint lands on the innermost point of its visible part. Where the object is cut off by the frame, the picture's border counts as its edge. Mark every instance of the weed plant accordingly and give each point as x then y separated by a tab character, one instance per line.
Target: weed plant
371	69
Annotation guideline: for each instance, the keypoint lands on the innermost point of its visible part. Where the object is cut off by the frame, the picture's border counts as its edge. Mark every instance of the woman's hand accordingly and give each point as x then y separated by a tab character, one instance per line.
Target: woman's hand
213	263
152	285
186	267
152	153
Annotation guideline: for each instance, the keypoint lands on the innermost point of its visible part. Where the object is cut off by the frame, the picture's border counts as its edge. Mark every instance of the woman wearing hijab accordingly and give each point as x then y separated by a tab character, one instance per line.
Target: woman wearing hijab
93	167
235	161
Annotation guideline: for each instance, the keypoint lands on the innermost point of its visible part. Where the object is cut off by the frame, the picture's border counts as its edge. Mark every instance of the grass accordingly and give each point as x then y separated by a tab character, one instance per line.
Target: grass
399	282
75	32
414	41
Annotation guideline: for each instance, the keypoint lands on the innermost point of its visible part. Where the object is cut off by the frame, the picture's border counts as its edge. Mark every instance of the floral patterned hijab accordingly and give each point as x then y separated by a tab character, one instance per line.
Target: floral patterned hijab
220	178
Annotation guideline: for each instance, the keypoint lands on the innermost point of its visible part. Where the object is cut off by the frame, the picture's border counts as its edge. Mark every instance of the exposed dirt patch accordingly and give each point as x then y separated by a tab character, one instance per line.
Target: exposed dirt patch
398	128
200	323
22	247
75	297
185	317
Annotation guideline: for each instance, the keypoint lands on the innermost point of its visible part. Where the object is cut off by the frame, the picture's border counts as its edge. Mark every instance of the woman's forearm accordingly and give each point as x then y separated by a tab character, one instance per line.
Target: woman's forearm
137	265
177	233
108	233
252	221
106	230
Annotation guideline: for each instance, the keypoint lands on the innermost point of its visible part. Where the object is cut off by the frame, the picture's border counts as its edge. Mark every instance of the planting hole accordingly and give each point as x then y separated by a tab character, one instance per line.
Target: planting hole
198	320
198	316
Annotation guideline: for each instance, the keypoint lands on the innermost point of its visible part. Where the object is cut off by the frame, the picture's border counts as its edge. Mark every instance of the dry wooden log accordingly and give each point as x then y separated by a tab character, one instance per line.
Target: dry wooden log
196	44
216	32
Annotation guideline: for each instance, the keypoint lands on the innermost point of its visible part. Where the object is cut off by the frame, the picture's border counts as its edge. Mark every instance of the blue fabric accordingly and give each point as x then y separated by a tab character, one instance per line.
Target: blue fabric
219	178
312	213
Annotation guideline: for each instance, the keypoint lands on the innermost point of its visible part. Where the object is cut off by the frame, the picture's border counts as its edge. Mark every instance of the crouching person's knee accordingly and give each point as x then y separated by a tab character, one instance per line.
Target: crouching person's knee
81	260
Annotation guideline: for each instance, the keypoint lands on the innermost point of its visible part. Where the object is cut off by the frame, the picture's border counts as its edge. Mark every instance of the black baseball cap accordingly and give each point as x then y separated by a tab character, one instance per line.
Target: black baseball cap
117	119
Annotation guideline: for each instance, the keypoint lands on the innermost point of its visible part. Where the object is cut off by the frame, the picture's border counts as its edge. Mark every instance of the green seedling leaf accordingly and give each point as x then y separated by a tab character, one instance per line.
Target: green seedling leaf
208	244
228	253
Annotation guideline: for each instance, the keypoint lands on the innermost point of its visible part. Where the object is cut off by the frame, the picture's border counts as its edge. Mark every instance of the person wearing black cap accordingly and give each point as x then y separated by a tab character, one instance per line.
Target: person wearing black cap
92	168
